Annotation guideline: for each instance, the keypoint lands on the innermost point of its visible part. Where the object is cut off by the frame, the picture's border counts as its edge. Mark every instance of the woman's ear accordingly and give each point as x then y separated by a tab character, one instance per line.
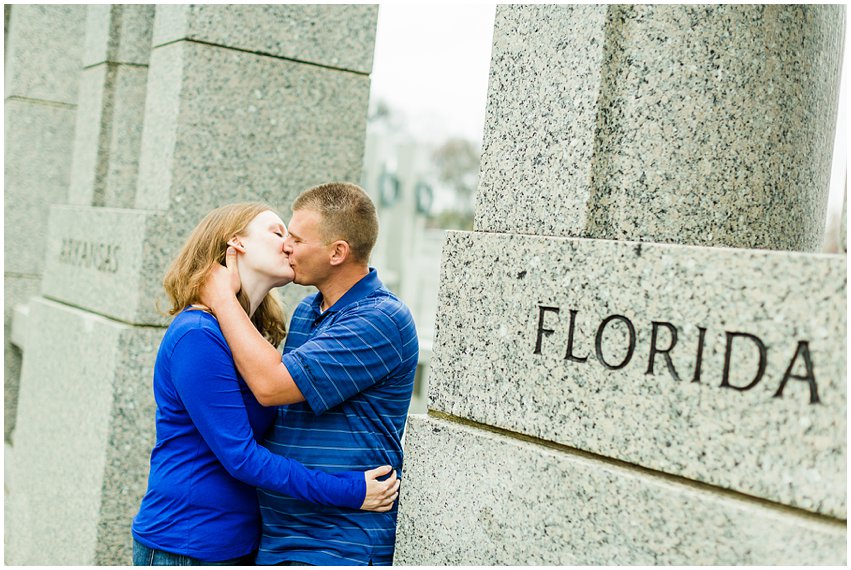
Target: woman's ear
236	244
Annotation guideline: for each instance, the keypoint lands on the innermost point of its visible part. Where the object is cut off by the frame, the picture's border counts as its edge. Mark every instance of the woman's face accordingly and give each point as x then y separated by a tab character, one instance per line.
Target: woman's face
263	245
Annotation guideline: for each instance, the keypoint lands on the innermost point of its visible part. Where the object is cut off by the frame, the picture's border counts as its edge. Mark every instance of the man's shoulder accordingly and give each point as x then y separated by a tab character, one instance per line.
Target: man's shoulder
307	302
382	304
304	309
381	314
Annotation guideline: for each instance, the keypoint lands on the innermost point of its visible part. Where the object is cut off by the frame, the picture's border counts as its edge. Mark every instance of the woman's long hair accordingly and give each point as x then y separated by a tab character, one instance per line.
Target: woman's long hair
206	247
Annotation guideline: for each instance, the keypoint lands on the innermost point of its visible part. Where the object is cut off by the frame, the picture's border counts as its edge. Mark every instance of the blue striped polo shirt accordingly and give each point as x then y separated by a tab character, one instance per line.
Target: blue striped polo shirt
355	365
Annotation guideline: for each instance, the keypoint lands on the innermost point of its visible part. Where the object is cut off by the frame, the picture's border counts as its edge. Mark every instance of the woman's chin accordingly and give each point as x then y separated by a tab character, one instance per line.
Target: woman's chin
284	281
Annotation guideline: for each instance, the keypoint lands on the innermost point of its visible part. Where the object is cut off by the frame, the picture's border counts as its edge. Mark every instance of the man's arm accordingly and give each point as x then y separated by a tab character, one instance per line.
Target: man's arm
258	362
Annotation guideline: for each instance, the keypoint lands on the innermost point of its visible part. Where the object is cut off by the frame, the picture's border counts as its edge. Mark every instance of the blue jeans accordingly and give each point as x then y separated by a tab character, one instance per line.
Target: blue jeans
144	556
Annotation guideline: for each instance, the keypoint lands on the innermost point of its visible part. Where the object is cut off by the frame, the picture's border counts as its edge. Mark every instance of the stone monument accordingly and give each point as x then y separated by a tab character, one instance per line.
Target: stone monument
186	108
638	358
44	45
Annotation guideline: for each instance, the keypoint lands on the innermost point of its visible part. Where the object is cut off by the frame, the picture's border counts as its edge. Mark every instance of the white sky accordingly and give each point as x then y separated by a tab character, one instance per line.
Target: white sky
431	63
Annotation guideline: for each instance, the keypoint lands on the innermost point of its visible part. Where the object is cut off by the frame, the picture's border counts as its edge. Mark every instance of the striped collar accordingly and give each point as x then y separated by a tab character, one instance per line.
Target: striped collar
360	290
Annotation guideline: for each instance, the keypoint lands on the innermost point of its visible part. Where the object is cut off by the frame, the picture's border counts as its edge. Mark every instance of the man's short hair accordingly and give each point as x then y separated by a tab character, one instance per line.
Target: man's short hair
347	214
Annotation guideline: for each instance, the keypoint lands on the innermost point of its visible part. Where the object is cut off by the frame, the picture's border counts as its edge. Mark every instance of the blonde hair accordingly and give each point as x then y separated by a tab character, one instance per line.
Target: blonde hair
347	214
206	247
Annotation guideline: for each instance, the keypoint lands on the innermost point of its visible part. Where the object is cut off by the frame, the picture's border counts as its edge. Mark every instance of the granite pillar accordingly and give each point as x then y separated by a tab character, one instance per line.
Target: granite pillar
614	385
43	50
112	104
843	224
239	104
701	125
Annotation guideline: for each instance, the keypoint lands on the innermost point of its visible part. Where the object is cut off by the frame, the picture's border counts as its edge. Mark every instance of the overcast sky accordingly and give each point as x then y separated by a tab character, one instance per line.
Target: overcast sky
432	62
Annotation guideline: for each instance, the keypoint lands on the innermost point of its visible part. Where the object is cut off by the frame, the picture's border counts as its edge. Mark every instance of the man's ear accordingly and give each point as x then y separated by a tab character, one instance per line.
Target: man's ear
236	243
340	252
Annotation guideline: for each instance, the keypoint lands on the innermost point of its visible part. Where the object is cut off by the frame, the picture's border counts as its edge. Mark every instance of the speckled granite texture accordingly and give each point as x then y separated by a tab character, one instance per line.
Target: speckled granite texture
486	368
15	290
843	226
697	125
44	50
118	33
341	36
83	438
108	136
96	260
113	83
501	501
129	441
42	60
36	176
231	126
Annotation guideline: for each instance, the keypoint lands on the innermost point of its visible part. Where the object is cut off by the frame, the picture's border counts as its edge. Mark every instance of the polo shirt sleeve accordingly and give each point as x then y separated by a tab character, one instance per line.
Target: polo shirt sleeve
355	352
205	378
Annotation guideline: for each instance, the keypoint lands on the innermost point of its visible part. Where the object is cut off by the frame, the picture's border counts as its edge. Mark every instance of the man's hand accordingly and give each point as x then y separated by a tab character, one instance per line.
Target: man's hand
223	282
380	495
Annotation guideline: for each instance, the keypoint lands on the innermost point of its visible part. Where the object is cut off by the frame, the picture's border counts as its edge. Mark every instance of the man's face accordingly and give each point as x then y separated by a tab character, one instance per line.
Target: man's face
309	255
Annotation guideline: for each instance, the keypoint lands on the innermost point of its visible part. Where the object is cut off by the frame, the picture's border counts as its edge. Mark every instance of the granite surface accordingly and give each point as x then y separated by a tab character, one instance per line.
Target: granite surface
118	33
125	134
340	36
229	126
78	375
471	497
20	313
131	436
843	224
37	172
541	120
108	135
502	360
44	51
95	260
88	167
697	125
16	290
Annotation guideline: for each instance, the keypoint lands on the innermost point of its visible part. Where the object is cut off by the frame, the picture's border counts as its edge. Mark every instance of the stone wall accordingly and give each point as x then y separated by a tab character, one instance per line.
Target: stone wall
44	45
620	376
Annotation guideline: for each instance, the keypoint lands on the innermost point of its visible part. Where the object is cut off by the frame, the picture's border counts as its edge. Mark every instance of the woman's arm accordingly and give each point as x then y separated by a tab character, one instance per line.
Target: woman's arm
204	376
257	360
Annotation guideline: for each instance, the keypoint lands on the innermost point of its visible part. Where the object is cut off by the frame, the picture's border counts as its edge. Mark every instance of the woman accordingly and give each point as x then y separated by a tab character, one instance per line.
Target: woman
201	504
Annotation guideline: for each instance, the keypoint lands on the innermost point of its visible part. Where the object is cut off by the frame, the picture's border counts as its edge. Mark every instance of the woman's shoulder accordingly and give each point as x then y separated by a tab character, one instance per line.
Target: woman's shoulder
195	324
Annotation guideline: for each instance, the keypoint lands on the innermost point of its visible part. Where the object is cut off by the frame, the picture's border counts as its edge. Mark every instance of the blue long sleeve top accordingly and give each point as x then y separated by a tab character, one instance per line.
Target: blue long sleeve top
201	499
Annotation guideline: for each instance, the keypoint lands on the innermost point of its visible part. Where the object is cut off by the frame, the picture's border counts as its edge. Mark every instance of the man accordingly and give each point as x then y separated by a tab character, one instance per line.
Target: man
347	371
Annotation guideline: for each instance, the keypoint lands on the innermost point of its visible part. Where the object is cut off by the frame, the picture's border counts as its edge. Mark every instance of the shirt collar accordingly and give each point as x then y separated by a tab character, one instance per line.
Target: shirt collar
360	290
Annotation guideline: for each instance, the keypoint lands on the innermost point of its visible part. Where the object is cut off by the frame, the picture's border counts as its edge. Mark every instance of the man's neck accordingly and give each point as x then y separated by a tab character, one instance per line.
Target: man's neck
339	284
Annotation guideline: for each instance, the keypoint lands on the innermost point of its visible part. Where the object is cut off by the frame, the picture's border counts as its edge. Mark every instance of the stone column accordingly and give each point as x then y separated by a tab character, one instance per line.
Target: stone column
610	386
240	104
843	224
42	59
702	125
109	122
